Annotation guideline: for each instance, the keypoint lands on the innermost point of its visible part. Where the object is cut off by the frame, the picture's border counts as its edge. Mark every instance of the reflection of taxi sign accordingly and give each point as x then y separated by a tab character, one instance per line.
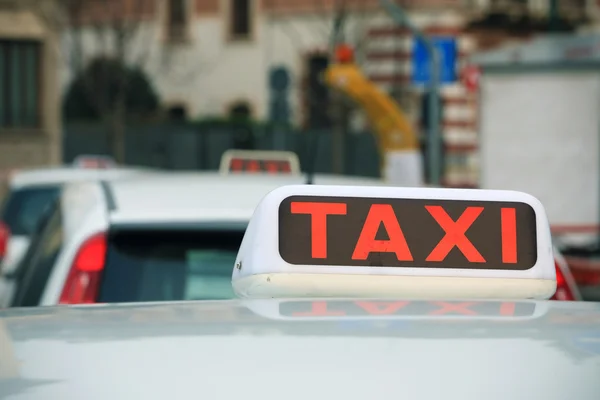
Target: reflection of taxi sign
332	241
94	162
250	161
344	310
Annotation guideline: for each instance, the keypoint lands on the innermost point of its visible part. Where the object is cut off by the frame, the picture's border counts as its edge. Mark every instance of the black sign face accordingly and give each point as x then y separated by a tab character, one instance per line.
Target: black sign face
375	232
238	164
368	308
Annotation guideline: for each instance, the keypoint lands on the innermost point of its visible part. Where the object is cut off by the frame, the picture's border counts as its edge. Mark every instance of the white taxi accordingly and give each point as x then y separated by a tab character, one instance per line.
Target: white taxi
30	194
345	293
30	191
158	237
94	247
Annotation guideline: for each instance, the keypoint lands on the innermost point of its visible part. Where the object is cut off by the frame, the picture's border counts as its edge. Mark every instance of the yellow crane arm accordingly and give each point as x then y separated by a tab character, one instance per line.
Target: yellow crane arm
393	129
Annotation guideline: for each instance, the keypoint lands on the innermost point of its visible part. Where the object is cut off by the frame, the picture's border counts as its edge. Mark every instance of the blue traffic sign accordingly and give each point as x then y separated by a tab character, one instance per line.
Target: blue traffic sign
448	51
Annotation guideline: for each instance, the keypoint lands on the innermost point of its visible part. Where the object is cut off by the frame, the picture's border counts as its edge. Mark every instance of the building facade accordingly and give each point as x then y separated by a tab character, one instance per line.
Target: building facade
213	57
30	128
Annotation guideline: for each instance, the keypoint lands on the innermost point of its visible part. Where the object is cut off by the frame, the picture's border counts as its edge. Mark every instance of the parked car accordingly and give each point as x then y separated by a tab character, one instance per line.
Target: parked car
30	194
146	238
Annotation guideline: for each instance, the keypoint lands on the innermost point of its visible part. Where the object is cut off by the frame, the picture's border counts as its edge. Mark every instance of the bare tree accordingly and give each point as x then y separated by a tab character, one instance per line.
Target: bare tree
127	33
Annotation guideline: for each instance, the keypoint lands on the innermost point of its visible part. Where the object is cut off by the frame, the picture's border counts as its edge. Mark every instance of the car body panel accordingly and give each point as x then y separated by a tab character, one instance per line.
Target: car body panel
148	199
84	213
244	348
55	176
168	198
18	245
205	196
58	175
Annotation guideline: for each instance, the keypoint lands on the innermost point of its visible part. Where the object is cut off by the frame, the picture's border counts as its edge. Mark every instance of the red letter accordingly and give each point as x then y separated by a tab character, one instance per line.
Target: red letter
381	308
285	167
318	309
381	213
455	234
271	167
460	308
318	221
253	166
237	165
507	309
509	235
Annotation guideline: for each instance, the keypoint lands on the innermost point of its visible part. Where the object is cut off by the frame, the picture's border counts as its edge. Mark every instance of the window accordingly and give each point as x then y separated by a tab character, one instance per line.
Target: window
177	113
24	208
243	136
35	269
241	18
177	20
240	110
575	9
20	84
169	264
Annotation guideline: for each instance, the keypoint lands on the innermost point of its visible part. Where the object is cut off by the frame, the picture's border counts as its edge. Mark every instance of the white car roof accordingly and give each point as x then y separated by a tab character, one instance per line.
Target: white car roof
228	350
64	174
188	196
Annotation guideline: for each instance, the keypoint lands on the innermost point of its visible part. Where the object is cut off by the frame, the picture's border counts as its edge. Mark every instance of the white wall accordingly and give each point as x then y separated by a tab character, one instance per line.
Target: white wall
206	73
539	134
210	72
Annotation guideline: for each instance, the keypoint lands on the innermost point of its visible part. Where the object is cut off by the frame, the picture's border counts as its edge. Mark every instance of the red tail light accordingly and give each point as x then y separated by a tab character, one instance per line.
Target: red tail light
83	281
563	290
4	236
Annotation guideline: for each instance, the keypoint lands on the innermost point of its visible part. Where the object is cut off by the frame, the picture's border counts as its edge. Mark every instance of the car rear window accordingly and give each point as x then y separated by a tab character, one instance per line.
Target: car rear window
584	264
23	208
169	265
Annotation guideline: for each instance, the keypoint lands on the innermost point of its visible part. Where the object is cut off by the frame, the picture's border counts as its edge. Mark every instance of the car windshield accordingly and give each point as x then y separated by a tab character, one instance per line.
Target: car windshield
24	207
169	265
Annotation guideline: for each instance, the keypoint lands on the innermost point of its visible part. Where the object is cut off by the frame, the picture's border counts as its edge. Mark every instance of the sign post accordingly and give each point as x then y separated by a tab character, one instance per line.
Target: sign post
434	140
339	129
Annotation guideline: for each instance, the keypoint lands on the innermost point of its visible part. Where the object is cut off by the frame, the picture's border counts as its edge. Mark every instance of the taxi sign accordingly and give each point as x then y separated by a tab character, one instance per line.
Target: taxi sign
259	161
332	241
94	162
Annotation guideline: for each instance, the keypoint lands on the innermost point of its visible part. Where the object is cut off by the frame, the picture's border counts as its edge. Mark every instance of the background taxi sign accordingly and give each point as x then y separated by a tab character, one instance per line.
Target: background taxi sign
259	161
94	162
332	241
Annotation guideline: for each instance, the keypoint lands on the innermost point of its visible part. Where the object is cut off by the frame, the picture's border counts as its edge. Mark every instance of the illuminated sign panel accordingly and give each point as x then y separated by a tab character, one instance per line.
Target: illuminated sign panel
375	232
270	162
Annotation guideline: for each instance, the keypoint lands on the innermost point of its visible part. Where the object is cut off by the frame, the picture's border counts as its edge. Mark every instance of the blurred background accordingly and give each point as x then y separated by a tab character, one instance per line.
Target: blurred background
173	84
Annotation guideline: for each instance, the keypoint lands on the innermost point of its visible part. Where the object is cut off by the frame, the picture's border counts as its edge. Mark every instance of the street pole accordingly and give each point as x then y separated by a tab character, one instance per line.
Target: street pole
434	140
339	128
553	15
